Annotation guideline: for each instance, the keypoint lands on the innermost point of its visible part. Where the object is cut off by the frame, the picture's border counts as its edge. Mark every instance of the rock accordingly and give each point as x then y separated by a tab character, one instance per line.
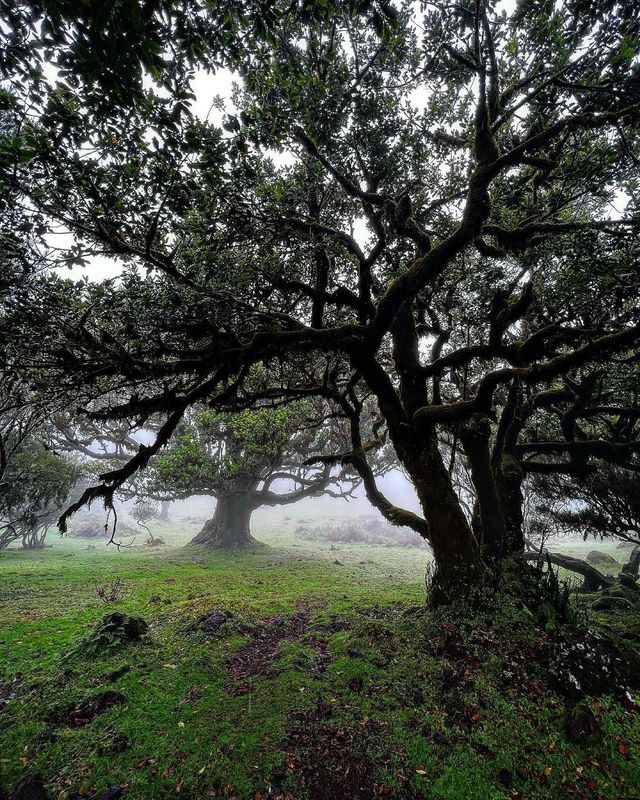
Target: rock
588	663
613	604
31	788
214	621
111	793
581	725
598	558
114	630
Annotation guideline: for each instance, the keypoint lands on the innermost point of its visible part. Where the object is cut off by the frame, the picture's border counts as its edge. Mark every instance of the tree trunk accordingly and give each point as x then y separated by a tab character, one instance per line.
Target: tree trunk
633	564
488	517
164	510
229	528
459	571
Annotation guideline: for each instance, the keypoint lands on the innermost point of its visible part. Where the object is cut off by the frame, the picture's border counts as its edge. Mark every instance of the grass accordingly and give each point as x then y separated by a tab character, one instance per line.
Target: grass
329	680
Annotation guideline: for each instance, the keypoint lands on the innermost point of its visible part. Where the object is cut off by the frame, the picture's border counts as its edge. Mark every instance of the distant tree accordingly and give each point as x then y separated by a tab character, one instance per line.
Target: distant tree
34	489
144	510
237	458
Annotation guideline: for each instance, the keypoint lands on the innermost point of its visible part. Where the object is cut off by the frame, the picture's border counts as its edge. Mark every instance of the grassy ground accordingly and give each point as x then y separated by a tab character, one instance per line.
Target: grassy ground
329	680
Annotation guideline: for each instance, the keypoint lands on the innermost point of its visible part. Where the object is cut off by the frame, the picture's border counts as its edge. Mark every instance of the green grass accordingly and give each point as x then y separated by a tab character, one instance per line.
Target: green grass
330	680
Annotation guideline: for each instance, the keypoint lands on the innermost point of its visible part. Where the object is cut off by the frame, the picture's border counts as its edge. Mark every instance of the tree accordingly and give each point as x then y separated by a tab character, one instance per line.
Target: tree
476	157
602	503
33	490
237	458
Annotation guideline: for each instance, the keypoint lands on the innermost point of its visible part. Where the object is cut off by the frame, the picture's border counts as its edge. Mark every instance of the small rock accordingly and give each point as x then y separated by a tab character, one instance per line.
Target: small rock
214	621
581	725
31	788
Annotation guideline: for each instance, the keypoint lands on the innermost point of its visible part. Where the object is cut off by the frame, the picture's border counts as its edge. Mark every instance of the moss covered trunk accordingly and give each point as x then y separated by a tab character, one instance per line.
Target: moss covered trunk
230	526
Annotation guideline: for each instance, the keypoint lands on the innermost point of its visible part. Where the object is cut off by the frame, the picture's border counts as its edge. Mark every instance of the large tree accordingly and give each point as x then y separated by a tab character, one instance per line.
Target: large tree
441	234
239	459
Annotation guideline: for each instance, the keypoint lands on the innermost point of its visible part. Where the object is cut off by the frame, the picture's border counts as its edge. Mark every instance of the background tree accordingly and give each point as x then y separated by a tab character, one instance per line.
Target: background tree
237	458
34	489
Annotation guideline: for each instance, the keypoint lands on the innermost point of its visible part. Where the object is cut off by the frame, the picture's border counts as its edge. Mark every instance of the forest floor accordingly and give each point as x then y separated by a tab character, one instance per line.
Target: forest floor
326	679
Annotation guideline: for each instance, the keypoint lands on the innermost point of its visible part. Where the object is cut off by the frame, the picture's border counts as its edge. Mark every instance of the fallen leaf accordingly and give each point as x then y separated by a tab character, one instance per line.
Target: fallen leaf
421	772
181	724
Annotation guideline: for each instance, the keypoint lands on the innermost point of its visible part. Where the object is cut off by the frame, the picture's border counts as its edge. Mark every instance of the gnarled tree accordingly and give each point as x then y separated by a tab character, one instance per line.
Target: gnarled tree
441	232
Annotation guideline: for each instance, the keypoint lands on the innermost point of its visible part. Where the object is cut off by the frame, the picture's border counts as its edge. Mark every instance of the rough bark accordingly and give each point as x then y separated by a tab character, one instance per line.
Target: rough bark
488	515
593	578
459	571
633	564
230	526
164	510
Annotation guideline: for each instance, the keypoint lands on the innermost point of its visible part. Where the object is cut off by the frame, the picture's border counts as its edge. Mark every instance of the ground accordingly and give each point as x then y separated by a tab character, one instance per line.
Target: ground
326	679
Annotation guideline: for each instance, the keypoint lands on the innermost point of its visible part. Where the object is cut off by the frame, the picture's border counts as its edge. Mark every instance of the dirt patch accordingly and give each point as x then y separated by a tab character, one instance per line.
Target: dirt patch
84	712
258	657
332	761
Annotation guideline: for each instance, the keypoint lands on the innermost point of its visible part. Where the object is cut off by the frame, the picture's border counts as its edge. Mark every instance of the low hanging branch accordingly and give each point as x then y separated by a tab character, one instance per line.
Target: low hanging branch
593	578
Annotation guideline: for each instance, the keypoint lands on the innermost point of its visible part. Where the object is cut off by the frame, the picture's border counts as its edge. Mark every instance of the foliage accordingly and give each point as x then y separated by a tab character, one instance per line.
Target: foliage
435	235
33	490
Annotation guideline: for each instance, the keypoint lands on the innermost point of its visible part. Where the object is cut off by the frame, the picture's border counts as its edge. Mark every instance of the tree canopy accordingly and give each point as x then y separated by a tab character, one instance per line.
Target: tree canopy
432	205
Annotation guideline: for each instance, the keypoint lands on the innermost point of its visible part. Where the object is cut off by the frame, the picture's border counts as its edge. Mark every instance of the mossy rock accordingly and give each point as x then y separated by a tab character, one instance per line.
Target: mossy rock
596	558
613	603
114	631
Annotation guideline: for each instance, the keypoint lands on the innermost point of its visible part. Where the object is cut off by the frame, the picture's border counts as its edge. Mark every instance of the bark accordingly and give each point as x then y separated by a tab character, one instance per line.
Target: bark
633	564
229	528
459	571
488	515
164	510
593	578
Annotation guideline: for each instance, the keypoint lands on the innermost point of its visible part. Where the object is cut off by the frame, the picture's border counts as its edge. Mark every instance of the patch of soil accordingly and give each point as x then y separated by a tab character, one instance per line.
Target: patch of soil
258	657
84	712
331	761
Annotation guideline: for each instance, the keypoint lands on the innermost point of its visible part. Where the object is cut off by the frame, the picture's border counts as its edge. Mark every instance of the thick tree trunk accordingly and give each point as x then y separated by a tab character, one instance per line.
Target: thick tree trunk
164	510
633	564
229	528
459	571
489	524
